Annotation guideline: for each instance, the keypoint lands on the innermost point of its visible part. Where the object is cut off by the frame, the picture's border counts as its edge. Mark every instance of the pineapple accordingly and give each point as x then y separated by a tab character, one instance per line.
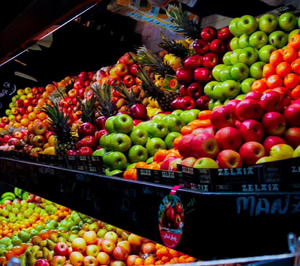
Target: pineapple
173	61
184	25
88	107
104	94
178	49
146	57
60	124
129	96
164	98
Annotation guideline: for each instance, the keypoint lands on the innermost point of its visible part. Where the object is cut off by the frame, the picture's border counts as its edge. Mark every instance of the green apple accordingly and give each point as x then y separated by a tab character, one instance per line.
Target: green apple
244	41
177	112
265	52
296	152
292	34
14	99
137	153
158	117
195	112
105	141
256	70
248	56
226	58
268	23
209	87
247	24
278	39
16	241
12	118
225	73
233	27
230	89
12	105
8	112
258	39
123	124
24	236
239	71
287	21
115	160
113	172
218	104
205	163
174	123
234	43
6	241
234	58
241	97
150	160
169	140
188	116
217	93
155	144
109	124
217	71
131	166
139	136
23	97
246	85
99	152
211	104
20	92
157	129
120	142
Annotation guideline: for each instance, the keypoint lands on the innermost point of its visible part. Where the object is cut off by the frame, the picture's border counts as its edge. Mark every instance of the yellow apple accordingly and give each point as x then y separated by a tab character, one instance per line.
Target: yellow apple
281	151
265	160
297	152
205	163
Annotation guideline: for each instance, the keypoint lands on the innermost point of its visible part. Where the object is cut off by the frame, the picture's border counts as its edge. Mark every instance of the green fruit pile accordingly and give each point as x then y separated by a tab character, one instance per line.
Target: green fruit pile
127	144
254	41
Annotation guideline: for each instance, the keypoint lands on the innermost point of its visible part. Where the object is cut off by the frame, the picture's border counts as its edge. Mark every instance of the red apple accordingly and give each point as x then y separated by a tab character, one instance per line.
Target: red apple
61	249
204	145
86	129
274	123
41	263
189	161
201	47
129	80
251	130
139	111
100	122
271	101
251	152
121	70
210	60
108	246
271	141
120	253
209	33
187	103
217	46
249	109
58	261
224	34
185	75
209	130
85	151
223	117
285	95
292	115
202	74
292	136
195	90
166	163
89	141
232	104
193	61
202	102
229	138
134	69
99	134
183	90
254	95
229	159
184	146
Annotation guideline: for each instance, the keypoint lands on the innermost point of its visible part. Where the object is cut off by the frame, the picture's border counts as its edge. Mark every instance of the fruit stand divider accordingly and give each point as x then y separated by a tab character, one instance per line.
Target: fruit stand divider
217	225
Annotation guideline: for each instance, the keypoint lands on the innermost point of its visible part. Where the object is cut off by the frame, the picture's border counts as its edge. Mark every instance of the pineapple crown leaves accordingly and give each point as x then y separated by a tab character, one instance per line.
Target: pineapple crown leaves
129	96
88	108
173	47
183	24
104	96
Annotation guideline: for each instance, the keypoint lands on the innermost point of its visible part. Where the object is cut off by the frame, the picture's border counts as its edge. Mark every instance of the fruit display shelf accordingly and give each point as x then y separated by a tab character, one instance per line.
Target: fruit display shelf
216	225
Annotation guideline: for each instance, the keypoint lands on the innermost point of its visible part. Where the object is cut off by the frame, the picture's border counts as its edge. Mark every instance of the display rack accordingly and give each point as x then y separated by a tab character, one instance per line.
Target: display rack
217	225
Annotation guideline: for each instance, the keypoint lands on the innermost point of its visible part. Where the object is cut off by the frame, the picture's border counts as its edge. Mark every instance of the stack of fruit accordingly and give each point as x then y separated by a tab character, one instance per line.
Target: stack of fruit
251	51
197	68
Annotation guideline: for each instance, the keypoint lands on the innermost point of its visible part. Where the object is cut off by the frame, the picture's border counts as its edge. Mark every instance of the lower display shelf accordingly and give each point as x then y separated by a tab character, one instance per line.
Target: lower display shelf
216	225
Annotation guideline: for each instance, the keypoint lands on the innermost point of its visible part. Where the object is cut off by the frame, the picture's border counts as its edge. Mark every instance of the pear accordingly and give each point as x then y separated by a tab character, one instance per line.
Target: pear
36	240
43	243
46	252
50	256
39	254
50	244
23	259
30	259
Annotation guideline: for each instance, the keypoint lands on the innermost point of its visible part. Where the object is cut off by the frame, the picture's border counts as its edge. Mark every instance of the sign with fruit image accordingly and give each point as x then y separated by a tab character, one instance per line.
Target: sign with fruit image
171	220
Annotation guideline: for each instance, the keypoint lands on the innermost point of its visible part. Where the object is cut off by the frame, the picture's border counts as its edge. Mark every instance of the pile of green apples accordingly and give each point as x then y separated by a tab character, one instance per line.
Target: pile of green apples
129	142
255	40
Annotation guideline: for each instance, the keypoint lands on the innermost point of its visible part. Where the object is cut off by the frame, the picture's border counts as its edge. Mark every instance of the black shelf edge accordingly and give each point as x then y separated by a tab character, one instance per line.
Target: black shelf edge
217	225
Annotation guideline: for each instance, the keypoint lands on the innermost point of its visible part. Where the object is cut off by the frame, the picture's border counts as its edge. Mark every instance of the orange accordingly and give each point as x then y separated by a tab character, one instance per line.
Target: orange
268	70
173	253
289	55
295	42
42	116
188	129
159	262
296	93
162	252
160	155
130	174
176	142
141	165
259	85
150	260
139	261
200	123
291	81
296	66
203	115
274	81
282	69
190	259
276	57
154	166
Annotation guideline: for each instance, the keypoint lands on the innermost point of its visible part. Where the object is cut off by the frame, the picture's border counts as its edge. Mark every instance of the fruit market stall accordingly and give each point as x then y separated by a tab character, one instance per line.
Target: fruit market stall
194	148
